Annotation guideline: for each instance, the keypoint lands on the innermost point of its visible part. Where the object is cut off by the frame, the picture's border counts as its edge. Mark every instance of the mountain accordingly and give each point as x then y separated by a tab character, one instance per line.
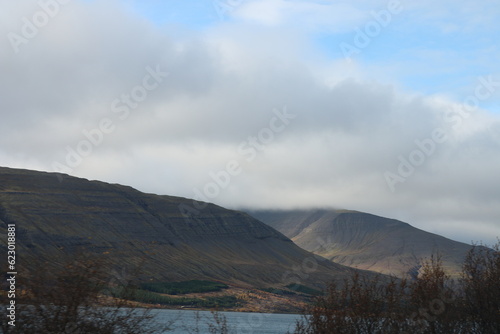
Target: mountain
364	241
57	214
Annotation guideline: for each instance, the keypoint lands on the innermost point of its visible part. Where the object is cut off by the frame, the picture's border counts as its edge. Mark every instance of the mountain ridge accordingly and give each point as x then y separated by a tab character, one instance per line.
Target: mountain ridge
364	241
134	229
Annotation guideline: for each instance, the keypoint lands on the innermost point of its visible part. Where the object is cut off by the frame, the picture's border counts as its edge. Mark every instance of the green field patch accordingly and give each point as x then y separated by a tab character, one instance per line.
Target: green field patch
281	292
148	297
180	288
304	289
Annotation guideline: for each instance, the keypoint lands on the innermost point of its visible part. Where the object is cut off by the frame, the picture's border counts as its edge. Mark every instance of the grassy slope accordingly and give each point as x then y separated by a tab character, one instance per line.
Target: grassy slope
146	235
363	240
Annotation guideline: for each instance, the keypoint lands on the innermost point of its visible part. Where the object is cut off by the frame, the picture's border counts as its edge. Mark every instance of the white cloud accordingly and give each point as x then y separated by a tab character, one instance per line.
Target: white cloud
313	15
349	128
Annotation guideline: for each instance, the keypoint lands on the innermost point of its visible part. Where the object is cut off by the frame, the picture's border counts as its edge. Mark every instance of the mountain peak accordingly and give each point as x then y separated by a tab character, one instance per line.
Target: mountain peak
129	228
365	241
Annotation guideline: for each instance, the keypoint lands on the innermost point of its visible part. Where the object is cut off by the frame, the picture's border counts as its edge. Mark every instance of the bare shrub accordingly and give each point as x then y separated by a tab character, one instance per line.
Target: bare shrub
71	299
481	289
430	303
360	305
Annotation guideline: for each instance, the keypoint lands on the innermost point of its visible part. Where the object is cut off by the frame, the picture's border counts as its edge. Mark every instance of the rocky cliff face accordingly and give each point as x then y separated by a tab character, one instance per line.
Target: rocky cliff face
365	241
132	229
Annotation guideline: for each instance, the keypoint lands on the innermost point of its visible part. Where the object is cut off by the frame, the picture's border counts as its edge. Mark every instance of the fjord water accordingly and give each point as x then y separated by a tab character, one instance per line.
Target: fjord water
188	321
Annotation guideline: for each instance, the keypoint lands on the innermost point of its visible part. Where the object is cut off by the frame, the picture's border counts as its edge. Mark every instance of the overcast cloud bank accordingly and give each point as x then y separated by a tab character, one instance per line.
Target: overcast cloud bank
355	142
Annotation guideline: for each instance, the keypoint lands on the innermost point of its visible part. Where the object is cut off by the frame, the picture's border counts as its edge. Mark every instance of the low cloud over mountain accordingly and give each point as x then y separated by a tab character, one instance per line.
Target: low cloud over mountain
102	91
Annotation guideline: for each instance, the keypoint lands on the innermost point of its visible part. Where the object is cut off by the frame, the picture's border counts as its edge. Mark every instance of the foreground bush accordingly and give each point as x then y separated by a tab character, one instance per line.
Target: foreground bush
429	303
69	300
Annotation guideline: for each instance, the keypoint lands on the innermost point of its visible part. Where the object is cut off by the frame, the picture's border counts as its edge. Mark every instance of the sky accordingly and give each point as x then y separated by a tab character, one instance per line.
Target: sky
387	107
